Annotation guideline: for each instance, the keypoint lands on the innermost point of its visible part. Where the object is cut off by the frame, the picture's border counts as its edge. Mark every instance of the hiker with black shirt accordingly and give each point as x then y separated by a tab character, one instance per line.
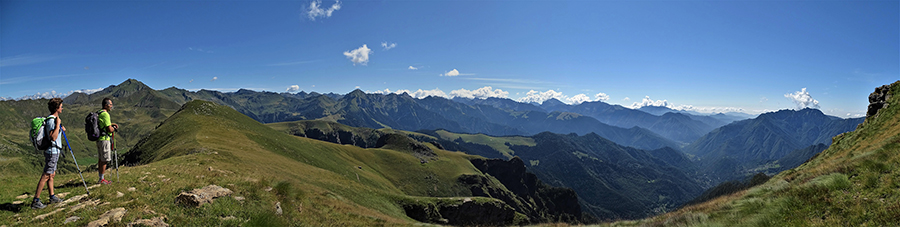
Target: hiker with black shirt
52	128
104	146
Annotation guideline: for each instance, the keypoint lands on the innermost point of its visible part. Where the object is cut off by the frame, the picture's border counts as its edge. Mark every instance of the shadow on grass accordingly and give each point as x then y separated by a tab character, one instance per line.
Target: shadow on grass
16	208
72	184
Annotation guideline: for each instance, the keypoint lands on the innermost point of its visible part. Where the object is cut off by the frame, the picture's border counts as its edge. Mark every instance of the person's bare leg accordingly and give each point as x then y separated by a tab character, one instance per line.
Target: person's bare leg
50	183
40	186
102	167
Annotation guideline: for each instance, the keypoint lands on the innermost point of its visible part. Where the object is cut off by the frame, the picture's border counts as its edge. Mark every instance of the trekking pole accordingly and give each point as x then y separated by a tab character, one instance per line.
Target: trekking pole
117	156
76	162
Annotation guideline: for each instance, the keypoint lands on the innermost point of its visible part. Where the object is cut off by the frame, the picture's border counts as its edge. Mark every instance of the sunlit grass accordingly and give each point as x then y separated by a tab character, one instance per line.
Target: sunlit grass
498	143
316	183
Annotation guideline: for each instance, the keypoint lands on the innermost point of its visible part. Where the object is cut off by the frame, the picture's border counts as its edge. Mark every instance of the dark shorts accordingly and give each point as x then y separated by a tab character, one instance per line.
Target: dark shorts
50	161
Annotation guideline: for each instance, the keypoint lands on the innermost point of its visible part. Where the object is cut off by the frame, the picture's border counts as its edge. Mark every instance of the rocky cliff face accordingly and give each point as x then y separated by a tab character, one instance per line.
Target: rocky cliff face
878	100
538	201
463	211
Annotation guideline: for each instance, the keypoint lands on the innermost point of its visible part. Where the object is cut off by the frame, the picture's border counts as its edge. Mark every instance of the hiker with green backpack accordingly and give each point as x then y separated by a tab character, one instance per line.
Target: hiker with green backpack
100	132
46	135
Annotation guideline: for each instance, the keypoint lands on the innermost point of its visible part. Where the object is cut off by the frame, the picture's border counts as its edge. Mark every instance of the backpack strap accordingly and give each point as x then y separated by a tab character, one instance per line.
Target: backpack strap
47	133
103	130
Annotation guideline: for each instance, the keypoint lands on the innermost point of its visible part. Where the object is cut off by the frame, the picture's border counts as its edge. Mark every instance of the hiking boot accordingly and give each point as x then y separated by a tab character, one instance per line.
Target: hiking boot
104	181
54	199
36	204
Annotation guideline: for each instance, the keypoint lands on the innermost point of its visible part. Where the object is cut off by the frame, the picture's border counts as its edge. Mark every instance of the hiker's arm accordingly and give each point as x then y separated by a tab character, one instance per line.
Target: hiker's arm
55	133
110	128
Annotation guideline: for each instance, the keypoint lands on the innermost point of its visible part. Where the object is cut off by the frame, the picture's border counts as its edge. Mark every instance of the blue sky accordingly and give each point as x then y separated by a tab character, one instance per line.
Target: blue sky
743	56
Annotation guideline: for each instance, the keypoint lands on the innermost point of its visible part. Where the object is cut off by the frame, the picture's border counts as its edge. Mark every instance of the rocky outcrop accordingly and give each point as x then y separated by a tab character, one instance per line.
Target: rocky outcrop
338	136
465	211
878	100
200	196
538	201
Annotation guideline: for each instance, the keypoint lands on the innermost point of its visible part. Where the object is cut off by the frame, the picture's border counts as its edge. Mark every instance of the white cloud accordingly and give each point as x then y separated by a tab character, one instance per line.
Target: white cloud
413	68
626	99
601	96
53	94
578	99
214	78
539	97
453	72
387	46
360	55
85	91
650	102
716	109
481	93
293	88
192	80
647	101
315	9
420	94
802	99
384	92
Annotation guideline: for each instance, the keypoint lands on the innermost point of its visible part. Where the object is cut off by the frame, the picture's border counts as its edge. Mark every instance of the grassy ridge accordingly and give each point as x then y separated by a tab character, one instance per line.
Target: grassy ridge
498	143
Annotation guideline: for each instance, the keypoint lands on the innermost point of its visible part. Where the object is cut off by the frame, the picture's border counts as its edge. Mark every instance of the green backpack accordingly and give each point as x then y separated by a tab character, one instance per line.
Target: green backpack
39	138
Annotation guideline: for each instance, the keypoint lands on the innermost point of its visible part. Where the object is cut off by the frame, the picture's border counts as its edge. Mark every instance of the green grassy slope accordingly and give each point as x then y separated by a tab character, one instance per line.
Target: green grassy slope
852	183
316	182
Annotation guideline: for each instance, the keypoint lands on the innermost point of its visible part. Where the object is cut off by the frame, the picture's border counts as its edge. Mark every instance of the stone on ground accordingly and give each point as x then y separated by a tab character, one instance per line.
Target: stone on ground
70	200
89	203
154	222
278	208
41	217
114	215
71	219
200	196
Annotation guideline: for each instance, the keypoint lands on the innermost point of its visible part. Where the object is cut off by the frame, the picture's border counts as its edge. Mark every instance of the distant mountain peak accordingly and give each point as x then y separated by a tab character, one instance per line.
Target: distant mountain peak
356	92
133	84
785	113
552	101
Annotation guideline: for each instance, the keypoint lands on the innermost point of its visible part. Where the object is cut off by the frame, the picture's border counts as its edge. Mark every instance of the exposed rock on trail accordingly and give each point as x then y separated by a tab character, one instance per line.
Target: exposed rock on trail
154	222
200	196
114	215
